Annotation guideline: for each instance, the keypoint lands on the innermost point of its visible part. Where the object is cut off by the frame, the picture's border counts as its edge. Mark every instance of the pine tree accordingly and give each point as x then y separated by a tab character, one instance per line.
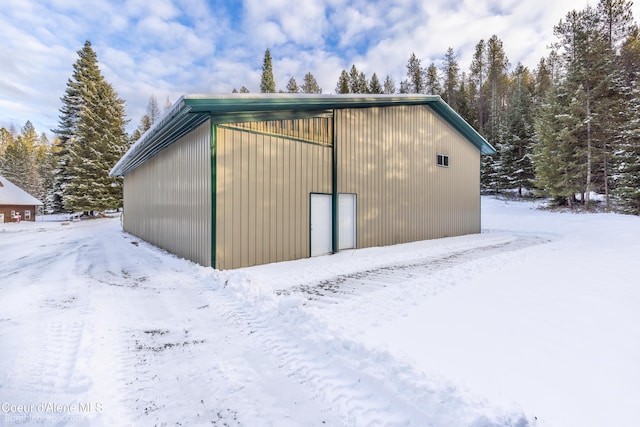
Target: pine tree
310	85
243	89
627	189
292	86
101	141
559	170
451	71
342	86
16	162
153	111
6	138
145	125
415	75
464	101
374	85
389	85
432	84
92	139
267	82
354	80
85	70
478	75
517	135
363	86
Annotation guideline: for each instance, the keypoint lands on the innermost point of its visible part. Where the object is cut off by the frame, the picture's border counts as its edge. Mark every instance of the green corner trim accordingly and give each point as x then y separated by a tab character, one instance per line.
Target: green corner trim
334	188
214	191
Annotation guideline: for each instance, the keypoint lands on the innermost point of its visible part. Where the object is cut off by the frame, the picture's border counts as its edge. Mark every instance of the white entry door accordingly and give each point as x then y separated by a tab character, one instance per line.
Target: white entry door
321	228
346	221
1	217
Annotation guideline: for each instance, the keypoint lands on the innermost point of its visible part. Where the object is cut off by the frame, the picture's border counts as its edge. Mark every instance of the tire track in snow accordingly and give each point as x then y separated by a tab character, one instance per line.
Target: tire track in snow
334	290
346	376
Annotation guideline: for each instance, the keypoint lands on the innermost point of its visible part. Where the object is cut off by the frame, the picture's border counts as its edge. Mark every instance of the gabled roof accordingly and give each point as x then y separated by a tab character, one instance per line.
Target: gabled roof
191	111
11	194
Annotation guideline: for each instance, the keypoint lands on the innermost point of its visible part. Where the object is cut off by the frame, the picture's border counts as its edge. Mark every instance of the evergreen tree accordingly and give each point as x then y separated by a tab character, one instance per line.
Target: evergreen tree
101	141
617	20
145	125
47	158
389	85
267	82
85	70
234	90
343	83
310	85
559	169
374	85
478	75
243	89
497	64
6	138
292	86
432	84
153	111
517	135
627	189
17	160
464	101
590	74
354	80
363	85
451	71
415	75
92	139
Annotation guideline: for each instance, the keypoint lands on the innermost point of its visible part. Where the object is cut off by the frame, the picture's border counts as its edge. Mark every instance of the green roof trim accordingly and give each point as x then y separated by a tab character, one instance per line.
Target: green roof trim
190	111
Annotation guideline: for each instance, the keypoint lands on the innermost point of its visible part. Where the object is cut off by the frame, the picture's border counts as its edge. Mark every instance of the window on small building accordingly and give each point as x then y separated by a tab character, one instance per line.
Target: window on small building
27	214
443	160
13	214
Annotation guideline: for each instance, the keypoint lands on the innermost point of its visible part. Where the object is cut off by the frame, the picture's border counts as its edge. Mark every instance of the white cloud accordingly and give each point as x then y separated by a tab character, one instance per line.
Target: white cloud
172	47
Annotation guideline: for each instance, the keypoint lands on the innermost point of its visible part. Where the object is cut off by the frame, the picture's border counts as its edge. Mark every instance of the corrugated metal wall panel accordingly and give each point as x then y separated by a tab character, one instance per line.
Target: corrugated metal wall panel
387	156
263	187
167	200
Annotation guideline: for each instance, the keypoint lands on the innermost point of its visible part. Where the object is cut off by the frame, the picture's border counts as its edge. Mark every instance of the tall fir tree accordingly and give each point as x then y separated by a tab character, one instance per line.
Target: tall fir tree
432	80
374	85
389	86
92	139
415	75
292	86
354	80
627	189
517	135
310	85
478	74
267	81
153	110
74	100
342	86
451	72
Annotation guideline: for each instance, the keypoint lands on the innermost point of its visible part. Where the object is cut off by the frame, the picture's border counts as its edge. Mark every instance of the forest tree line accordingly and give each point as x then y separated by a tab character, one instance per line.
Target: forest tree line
566	129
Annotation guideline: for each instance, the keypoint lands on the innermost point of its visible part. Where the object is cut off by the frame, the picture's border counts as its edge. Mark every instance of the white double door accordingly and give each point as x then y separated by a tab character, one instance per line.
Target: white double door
322	223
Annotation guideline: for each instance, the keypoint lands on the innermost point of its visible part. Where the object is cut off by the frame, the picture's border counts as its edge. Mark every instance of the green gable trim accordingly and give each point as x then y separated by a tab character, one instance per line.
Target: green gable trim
192	110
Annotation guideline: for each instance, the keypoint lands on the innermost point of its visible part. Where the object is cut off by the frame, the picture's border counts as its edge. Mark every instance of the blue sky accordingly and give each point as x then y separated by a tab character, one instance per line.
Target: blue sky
169	48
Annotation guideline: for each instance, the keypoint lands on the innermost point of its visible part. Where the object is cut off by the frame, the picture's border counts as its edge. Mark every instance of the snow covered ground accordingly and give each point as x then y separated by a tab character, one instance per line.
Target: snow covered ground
536	322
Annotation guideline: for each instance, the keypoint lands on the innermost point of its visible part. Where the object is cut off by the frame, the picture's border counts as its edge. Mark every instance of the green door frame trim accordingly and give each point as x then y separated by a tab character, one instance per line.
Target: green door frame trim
334	186
214	187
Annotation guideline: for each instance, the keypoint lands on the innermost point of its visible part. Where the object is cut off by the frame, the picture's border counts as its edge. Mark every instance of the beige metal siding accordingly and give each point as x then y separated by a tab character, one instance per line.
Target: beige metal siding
387	156
262	196
167	200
